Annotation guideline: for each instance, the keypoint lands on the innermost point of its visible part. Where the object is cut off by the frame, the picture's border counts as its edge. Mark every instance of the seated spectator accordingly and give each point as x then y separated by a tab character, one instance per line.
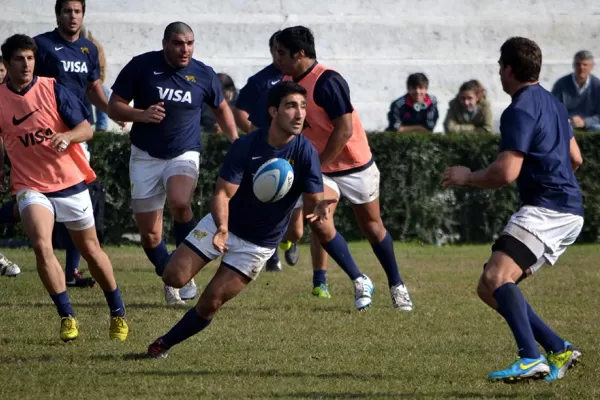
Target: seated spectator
469	111
416	110
230	93
2	70
580	93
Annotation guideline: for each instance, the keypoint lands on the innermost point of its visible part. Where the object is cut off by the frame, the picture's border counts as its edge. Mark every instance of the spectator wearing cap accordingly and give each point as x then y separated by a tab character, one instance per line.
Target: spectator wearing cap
415	111
580	93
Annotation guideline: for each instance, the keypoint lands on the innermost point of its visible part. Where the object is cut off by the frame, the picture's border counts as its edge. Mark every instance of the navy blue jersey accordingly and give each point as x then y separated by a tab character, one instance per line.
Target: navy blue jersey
147	80
253	97
73	65
537	125
264	224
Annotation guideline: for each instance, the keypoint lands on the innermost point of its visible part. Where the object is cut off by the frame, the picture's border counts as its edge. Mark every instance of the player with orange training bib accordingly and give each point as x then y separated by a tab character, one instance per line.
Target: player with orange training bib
40	123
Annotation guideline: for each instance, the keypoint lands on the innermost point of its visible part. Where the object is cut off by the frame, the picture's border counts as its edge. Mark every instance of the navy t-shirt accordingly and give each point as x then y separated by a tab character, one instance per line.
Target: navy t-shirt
253	97
264	224
73	65
147	80
537	125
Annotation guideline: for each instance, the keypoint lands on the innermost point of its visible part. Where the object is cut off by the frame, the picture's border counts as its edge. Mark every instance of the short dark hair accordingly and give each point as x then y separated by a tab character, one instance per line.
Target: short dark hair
59	5
226	81
524	57
272	39
281	90
416	80
17	42
298	38
177	27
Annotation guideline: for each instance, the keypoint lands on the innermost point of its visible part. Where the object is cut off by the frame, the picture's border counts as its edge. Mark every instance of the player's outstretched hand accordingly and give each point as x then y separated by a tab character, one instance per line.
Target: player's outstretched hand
60	141
220	240
154	114
455	176
321	211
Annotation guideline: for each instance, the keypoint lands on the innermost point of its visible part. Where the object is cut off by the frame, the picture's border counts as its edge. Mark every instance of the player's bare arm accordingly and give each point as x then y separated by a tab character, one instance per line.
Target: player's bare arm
224	192
241	120
119	109
97	96
81	133
500	173
226	121
576	158
99	100
342	132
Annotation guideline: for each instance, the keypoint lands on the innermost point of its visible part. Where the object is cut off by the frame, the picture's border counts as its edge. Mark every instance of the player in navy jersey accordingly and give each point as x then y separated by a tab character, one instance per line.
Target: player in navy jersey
244	230
63	54
168	89
251	112
539	151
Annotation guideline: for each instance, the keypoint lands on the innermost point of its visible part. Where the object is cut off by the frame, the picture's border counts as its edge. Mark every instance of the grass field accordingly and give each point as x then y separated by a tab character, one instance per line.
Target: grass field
276	341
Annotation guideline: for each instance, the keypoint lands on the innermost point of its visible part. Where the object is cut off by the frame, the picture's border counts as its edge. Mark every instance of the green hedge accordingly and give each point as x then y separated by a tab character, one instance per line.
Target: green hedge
414	206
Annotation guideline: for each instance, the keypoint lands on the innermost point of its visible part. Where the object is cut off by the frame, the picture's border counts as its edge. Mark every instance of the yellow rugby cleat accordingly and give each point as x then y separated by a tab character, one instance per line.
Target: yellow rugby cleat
69	329
118	328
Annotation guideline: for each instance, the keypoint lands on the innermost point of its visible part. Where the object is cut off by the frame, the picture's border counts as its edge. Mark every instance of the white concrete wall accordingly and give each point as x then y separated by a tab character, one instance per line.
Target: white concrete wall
374	44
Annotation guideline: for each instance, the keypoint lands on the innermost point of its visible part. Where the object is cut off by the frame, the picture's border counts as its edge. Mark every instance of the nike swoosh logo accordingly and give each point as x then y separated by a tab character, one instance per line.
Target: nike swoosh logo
17	122
85	209
274	82
58	48
158	73
527	366
256	158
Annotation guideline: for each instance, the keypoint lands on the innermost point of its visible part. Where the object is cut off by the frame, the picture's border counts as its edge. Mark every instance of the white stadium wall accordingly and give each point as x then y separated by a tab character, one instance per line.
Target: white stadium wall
374	44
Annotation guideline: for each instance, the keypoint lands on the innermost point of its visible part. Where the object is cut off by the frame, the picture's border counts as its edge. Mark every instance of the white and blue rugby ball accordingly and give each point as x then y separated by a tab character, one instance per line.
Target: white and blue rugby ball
273	180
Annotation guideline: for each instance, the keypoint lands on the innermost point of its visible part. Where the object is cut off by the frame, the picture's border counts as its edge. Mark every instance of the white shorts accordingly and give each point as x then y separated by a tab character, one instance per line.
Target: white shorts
555	230
149	176
358	188
247	258
75	211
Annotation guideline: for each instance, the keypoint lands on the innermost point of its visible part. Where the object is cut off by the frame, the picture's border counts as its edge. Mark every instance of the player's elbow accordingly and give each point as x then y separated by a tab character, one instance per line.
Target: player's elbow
576	161
112	109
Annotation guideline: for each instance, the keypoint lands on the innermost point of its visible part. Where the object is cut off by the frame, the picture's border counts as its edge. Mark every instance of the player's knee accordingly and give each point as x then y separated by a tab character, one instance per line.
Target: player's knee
373	230
181	210
294	233
325	231
172	278
150	239
91	251
42	249
482	290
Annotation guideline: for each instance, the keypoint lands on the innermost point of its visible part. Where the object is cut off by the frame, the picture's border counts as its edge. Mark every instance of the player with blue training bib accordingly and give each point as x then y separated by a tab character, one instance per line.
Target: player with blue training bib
168	89
242	228
539	151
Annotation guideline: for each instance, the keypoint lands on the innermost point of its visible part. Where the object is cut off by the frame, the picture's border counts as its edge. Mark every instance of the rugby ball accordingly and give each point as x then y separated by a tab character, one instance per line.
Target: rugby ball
273	180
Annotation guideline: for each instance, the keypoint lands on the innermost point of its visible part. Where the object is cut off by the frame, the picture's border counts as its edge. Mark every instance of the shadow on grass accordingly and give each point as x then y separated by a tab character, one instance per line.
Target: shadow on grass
416	395
249	373
77	305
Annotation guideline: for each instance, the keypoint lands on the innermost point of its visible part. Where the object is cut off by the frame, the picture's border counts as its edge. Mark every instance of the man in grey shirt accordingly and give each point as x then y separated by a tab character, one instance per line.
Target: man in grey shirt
580	93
